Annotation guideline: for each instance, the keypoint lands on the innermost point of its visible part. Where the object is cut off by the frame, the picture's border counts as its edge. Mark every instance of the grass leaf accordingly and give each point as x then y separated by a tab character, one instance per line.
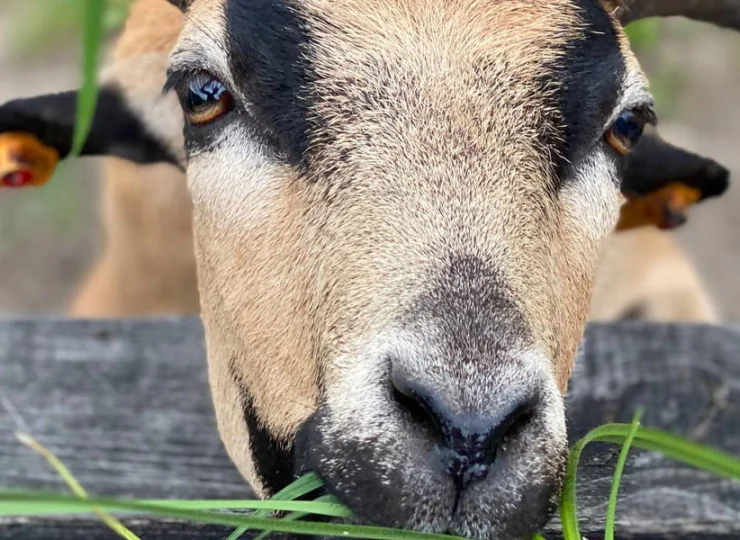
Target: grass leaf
676	448
62	470
617	480
319	507
220	518
87	97
298	515
303	486
690	453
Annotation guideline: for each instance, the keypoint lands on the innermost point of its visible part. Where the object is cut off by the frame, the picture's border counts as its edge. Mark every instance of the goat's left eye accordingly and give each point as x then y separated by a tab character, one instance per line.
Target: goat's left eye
626	131
205	100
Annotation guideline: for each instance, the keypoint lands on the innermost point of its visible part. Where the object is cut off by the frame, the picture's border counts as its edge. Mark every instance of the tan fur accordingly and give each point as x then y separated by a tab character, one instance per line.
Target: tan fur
271	249
163	280
152	26
276	329
147	265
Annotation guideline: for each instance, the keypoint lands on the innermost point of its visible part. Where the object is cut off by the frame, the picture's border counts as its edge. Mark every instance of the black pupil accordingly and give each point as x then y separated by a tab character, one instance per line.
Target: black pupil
202	95
629	126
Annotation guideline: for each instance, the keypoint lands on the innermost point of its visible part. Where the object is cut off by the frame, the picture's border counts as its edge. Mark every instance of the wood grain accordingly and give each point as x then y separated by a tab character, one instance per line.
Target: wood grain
126	405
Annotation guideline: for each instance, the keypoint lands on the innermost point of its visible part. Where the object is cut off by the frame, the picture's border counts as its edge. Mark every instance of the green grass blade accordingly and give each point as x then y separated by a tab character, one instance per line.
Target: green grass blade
690	453
87	97
220	518
62	470
319	508
298	515
611	512
238	533
303	486
535	537
568	513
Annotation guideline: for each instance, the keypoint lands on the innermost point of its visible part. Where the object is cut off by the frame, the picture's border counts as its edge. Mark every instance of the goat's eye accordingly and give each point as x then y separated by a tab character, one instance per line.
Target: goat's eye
626	131
204	99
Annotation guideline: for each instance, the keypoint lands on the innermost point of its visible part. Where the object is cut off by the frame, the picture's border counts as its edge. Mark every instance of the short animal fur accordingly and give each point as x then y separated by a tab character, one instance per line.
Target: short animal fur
397	234
148	266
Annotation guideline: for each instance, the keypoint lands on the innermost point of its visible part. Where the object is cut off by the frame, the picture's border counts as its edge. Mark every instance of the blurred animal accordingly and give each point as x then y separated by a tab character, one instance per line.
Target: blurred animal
398	210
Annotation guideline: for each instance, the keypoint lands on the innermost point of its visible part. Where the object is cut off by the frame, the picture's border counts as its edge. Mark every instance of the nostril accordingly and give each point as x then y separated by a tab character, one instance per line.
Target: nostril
510	427
415	404
467	443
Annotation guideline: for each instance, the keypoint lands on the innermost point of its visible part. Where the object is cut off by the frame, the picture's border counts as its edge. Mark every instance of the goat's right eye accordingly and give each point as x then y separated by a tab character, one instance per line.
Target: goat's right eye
204	100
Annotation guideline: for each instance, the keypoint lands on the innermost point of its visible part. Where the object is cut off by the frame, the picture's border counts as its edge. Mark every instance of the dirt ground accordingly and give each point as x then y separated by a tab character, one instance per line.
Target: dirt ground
47	237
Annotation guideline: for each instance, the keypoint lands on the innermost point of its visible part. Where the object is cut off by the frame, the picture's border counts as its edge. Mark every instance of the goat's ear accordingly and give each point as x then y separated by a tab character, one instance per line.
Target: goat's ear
661	181
36	132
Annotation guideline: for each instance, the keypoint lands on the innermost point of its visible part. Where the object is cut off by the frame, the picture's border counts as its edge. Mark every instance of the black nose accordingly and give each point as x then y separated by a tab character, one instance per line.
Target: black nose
467	442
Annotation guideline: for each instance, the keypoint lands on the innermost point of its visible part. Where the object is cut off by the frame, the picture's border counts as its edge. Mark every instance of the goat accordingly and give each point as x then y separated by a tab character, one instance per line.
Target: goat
148	264
398	211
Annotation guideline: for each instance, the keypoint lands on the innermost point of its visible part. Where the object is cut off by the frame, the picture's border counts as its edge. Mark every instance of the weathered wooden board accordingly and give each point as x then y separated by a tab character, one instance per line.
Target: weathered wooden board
125	404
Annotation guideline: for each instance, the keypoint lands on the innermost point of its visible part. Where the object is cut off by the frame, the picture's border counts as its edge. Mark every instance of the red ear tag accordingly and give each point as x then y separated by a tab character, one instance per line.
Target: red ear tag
17	179
25	161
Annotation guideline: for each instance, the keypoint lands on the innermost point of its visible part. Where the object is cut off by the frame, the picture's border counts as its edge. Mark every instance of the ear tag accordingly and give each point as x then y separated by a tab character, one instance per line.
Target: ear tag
25	161
665	208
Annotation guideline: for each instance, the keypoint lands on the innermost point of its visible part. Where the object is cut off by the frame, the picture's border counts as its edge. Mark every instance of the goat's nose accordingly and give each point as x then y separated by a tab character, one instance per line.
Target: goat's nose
467	443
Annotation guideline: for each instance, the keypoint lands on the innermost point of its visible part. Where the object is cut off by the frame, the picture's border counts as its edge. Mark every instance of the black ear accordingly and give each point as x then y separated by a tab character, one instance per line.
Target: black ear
655	163
116	130
661	181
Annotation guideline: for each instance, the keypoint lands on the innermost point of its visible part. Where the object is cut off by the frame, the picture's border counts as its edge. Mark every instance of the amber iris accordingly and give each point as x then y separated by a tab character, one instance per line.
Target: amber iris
206	100
626	131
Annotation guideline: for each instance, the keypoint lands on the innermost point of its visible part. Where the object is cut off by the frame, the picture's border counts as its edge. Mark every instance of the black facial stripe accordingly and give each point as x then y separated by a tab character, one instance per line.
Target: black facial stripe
268	57
206	138
593	70
273	461
116	131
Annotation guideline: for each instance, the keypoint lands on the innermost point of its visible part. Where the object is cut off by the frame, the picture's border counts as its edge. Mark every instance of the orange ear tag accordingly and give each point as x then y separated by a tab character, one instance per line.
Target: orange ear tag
25	161
665	208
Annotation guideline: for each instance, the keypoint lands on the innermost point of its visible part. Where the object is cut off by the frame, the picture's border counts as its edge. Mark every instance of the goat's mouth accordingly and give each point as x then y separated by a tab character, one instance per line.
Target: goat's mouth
386	479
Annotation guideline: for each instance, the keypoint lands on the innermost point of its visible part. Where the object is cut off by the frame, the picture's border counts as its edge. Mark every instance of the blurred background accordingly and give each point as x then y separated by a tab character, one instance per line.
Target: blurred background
48	236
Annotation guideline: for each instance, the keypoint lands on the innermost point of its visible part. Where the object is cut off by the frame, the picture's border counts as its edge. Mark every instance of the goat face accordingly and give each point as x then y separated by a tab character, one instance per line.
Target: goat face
398	208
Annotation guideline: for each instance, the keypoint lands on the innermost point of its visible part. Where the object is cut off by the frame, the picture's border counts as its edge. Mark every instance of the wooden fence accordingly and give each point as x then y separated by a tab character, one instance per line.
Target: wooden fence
126	405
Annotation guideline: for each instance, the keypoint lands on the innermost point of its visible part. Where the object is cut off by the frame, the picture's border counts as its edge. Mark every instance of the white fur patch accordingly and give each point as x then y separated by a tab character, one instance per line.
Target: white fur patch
591	198
238	181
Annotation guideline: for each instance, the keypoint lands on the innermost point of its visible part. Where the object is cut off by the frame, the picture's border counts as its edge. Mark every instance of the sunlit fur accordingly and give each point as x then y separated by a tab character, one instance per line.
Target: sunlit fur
147	214
310	280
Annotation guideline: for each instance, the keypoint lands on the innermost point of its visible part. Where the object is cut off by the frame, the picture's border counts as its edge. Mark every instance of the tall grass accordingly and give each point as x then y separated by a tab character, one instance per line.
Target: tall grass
87	97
